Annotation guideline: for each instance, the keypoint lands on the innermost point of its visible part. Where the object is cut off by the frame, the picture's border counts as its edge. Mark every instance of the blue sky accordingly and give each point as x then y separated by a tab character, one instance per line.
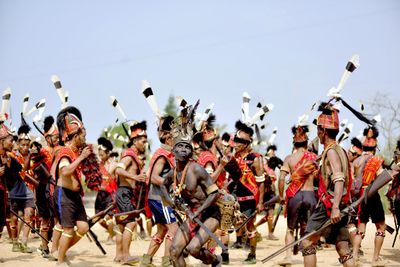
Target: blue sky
289	53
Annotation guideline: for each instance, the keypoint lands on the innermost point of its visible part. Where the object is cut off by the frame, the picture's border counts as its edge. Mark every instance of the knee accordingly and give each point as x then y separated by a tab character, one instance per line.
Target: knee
306	243
174	252
194	250
83	228
381	226
342	248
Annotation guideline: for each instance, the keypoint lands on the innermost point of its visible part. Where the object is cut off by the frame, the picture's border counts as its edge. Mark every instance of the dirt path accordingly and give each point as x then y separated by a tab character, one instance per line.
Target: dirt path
86	254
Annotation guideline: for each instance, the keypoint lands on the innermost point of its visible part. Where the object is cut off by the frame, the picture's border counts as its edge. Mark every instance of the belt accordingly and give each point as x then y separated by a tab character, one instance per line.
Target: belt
245	198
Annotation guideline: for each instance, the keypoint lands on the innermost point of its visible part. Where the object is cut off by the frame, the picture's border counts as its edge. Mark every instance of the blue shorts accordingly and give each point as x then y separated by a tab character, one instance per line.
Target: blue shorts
161	214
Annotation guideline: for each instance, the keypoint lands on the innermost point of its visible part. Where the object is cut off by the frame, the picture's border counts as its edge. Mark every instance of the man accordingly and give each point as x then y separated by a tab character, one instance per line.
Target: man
333	192
21	194
66	170
367	168
249	189
353	153
131	178
271	162
40	161
300	198
191	184
106	194
163	216
51	135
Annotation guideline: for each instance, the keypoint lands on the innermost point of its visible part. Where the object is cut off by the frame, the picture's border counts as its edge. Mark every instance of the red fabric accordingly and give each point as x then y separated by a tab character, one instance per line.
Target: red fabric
108	181
329	121
248	178
206	157
66	152
370	169
303	168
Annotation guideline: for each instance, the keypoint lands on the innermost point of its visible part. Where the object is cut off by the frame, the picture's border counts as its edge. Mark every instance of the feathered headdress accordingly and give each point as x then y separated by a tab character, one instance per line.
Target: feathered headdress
370	134
300	134
69	122
49	128
329	118
23	130
356	146
138	129
105	144
183	125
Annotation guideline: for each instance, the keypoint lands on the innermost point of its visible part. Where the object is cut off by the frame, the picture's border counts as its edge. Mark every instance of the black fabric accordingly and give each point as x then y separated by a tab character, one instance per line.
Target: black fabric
69	207
300	207
123	199
334	233
3	208
21	204
103	201
373	210
44	203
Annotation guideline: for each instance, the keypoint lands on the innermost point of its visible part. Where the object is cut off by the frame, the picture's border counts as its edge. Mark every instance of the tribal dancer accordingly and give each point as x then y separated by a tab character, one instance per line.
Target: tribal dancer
367	168
333	192
161	163
66	169
106	194
249	189
51	135
353	153
131	178
191	184
21	192
300	198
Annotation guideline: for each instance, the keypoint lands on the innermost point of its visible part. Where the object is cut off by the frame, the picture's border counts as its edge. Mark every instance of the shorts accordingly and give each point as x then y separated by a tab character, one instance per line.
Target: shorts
334	233
44	203
373	210
300	207
247	207
267	197
161	214
103	201
69	207
124	200
17	204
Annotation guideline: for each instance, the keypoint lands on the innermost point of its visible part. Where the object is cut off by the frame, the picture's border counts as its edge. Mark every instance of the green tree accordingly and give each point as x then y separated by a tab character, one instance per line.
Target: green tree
171	108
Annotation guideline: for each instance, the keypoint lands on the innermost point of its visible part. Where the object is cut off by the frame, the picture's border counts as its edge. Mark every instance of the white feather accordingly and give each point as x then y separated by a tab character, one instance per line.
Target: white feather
5	102
271	139
60	90
150	98
25	103
246	107
355	59
118	107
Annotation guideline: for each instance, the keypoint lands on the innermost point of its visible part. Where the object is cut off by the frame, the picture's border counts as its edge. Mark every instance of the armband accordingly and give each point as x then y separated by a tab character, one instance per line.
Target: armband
121	165
338	177
260	179
285	169
209	170
211	189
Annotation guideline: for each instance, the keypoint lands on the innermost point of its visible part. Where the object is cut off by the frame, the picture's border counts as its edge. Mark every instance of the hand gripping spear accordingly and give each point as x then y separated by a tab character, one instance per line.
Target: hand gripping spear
372	189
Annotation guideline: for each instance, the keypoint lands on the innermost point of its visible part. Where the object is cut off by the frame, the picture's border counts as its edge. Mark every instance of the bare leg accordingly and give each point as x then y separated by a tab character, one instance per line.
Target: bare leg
309	251
379	237
358	238
179	243
157	239
195	247
343	250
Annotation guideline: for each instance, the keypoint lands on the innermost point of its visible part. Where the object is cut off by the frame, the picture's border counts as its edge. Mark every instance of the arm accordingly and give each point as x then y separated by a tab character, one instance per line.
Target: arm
207	185
260	178
166	198
338	178
158	167
225	159
123	165
68	170
282	174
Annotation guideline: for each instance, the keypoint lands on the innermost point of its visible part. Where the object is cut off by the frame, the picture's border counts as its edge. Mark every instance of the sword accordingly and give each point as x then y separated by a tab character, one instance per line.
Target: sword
200	223
277	217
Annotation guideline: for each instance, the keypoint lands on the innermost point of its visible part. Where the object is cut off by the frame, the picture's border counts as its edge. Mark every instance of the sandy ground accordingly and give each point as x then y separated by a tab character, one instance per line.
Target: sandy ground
87	254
